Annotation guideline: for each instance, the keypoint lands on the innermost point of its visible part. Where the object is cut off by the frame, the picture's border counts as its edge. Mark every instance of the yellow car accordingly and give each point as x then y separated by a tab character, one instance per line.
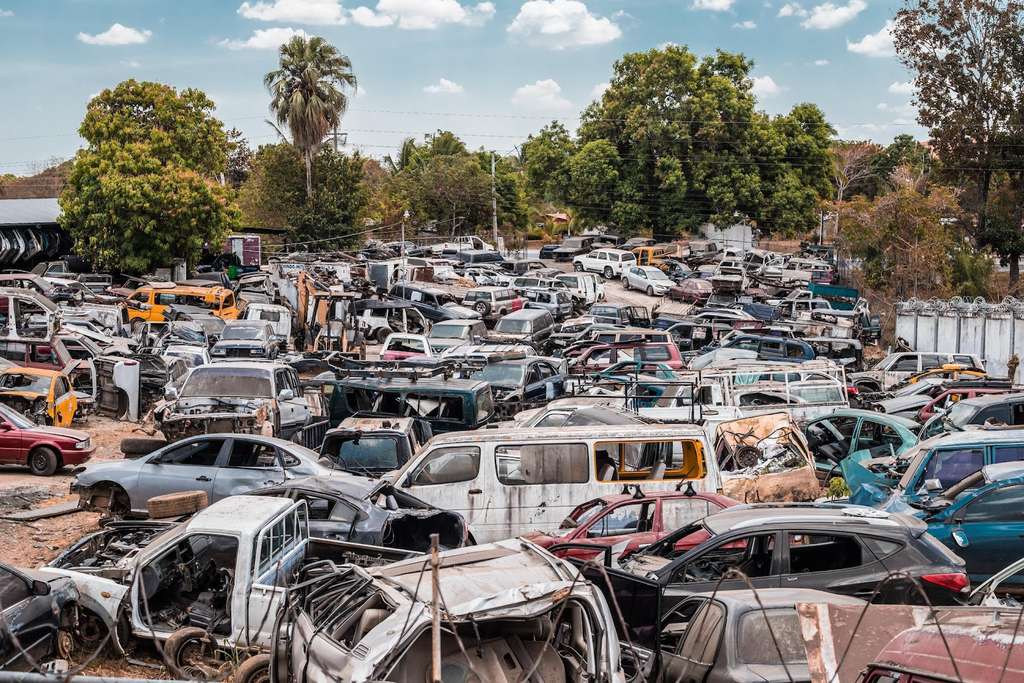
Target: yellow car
46	396
153	299
949	371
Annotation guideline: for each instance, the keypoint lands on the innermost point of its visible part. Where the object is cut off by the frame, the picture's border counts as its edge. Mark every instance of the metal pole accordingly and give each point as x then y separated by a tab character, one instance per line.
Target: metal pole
405	217
435	612
26	677
494	204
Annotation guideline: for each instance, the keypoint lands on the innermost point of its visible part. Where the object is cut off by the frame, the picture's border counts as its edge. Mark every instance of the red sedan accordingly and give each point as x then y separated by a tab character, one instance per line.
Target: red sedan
44	449
598	358
610	520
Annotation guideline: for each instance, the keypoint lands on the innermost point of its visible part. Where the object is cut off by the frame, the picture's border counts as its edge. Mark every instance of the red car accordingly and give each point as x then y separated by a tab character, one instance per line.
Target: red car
948	398
610	520
602	357
44	449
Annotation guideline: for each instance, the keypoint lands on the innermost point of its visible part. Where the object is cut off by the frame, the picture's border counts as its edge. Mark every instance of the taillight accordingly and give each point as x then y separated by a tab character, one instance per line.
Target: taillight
955	582
852	391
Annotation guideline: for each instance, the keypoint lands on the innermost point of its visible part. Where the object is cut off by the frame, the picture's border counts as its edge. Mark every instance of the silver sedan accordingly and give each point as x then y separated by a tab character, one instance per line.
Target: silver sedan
220	464
647	279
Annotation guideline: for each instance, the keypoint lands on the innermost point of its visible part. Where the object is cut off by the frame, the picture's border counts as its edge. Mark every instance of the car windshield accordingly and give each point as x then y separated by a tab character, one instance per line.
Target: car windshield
357	451
655	274
442	331
15	418
501	373
242	332
228	381
583	516
961	414
604	311
512	325
31	383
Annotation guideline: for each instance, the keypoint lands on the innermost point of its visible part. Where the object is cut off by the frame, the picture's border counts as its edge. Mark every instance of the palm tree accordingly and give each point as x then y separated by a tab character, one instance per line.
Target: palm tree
307	94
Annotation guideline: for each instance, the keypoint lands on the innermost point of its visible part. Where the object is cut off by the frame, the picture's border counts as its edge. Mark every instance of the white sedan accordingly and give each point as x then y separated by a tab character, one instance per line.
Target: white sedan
647	279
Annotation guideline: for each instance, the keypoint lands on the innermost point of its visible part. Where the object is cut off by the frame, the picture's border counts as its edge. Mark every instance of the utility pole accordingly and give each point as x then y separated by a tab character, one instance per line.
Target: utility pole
435	612
405	217
494	204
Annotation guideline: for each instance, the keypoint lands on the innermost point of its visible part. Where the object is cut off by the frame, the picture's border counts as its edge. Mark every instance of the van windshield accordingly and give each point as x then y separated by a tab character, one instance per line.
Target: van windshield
356	451
513	325
442	331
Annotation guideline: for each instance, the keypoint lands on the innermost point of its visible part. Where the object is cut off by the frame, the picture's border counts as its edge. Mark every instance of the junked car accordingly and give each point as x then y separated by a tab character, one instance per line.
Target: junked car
43	449
241	397
374	446
246	339
509	599
897	367
519	381
648	279
45	396
39	612
846	431
449	334
492	302
378	319
279	317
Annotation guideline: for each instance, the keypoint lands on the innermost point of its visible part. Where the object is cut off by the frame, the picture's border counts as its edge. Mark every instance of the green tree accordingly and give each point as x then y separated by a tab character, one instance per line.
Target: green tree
545	160
307	94
452	189
593	176
145	187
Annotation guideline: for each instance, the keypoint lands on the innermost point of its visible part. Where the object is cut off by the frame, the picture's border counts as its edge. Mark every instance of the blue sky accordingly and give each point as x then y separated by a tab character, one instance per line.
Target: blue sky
490	71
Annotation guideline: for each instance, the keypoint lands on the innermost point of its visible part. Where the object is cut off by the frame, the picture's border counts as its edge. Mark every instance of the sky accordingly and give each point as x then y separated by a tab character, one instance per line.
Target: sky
490	71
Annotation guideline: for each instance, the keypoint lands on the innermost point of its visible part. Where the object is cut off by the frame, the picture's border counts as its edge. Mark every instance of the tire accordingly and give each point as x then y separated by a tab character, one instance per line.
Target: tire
176	504
136	447
184	652
650	291
578	267
43	461
608	274
625	283
381	335
256	669
482	307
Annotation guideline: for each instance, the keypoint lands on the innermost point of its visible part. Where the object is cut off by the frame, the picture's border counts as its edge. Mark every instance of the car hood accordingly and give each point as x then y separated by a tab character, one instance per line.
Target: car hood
902	404
460	312
73	434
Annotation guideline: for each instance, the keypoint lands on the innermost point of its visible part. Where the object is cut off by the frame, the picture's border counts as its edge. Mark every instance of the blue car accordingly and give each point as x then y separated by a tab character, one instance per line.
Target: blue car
981	519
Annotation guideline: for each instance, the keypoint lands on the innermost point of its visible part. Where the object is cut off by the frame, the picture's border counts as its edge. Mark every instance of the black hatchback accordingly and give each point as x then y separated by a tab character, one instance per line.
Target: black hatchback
843	549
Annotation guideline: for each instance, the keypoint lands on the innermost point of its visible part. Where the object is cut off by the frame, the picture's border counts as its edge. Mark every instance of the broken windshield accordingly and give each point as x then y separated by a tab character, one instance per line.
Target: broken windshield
228	381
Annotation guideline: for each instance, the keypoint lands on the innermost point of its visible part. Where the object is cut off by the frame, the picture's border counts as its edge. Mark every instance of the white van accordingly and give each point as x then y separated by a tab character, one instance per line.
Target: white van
506	482
584	286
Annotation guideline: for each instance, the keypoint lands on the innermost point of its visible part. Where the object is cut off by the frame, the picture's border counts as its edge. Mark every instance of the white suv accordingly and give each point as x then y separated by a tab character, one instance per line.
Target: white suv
608	262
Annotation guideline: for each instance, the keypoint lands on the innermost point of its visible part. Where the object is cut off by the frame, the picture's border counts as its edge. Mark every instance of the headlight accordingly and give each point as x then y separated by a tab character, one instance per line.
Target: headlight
219	352
256	352
82	445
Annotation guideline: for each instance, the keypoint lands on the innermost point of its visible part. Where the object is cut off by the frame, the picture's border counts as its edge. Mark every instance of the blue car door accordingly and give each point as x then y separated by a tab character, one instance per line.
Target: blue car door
985	527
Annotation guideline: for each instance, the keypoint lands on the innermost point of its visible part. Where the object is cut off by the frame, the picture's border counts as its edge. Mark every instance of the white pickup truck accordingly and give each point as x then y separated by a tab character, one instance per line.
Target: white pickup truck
205	588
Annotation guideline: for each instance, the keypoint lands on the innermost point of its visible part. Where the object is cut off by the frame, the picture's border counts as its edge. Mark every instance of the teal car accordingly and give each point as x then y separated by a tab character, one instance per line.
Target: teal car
862	433
931	467
980	518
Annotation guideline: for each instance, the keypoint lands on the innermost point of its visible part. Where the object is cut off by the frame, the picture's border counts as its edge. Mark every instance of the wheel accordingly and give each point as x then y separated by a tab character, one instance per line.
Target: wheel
625	283
256	669
650	291
481	307
136	447
43	461
578	267
608	273
381	335
190	654
176	504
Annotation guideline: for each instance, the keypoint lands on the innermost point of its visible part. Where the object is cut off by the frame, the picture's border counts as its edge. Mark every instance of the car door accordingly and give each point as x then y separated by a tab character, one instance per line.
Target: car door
632	522
533	386
756	555
450	477
828	561
29	617
295	410
696	651
246	465
190	465
985	528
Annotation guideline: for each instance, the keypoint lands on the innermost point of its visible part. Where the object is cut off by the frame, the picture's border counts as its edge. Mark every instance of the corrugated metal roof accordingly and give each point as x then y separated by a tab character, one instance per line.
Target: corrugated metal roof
28	211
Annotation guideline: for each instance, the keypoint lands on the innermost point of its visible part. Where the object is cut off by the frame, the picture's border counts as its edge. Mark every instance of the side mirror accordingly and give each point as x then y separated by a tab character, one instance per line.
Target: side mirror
960	538
285	395
170	393
932	485
40	587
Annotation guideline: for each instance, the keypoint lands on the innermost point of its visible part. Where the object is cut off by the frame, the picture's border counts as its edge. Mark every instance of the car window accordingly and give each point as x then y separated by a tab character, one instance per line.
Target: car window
965	361
700	644
252	454
654	353
679	512
202	453
764	635
447	466
529	464
951	465
750	554
1001	505
905	364
533	375
931	362
633	518
998	415
874	435
13	588
814	552
1014	453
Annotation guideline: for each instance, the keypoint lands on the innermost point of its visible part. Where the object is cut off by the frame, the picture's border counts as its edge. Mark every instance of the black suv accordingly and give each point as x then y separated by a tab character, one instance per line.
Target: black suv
428	300
844	549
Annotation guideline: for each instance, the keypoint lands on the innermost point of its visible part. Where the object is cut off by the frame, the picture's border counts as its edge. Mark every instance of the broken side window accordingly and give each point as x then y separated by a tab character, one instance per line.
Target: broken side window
521	465
13	588
447	466
649	460
814	552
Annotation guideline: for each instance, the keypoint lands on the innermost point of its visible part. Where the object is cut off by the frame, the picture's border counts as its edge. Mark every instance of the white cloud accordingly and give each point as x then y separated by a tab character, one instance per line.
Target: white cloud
559	24
875	44
905	109
901	88
827	15
264	39
791	9
423	14
667	44
445	87
765	86
6	13
821	62
542	95
747	25
598	90
131	63
713	5
117	34
320	12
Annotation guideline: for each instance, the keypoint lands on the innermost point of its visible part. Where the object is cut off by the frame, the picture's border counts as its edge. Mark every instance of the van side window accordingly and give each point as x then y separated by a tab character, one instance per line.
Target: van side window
905	364
447	466
541	464
648	460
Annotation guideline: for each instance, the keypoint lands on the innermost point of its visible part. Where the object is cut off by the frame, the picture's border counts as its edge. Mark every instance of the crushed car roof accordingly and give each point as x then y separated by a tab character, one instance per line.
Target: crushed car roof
238	515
